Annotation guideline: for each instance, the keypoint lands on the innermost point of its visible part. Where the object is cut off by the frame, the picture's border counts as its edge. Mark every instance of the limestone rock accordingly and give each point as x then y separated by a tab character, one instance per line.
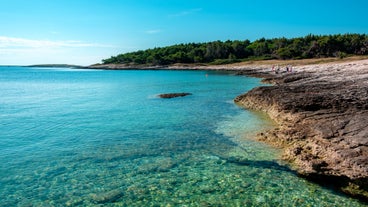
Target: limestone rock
323	123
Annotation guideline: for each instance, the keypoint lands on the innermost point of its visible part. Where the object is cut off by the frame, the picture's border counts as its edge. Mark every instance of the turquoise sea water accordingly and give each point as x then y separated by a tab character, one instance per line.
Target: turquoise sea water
102	138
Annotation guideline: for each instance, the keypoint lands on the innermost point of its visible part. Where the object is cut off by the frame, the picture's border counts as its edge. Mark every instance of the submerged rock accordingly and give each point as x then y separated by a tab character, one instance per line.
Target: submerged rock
107	197
173	95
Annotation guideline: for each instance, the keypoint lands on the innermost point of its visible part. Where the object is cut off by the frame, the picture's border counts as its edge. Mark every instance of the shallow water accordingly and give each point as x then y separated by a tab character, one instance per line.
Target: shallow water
102	138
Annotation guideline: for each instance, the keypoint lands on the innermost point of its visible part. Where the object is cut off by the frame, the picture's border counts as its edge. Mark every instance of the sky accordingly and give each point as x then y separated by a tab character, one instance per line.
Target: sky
84	32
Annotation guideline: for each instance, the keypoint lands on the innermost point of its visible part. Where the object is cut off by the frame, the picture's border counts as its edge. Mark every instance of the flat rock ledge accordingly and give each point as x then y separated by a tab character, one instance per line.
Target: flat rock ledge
322	116
173	95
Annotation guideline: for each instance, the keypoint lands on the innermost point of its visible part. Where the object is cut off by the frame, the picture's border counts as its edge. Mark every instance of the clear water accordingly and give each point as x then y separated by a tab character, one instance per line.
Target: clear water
102	138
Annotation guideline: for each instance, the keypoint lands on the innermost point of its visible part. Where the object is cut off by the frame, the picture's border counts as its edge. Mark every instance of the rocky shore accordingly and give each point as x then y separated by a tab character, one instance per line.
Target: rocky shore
322	116
321	110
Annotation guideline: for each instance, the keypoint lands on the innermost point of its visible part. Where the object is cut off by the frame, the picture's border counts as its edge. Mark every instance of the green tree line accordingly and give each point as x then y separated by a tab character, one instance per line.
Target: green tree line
219	52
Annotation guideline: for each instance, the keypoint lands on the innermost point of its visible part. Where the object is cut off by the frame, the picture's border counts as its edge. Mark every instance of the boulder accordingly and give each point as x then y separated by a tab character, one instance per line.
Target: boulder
173	95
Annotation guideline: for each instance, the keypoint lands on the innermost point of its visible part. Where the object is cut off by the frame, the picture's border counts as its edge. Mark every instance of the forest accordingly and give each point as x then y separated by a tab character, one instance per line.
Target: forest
222	52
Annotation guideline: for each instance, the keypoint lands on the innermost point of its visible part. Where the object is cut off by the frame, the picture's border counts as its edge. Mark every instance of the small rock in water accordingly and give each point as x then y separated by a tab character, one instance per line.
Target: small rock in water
173	95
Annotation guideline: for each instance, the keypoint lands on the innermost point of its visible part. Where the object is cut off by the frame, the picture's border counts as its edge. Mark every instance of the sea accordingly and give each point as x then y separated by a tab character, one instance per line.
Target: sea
79	137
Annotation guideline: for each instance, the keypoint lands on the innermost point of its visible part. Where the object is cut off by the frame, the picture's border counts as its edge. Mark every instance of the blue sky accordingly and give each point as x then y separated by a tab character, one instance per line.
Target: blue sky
86	31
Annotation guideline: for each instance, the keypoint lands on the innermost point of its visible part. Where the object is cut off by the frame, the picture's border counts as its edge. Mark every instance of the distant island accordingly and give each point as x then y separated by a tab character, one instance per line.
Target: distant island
56	66
219	52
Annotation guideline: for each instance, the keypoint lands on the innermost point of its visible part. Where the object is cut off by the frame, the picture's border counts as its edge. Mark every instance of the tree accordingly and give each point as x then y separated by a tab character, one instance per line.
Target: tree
284	53
310	46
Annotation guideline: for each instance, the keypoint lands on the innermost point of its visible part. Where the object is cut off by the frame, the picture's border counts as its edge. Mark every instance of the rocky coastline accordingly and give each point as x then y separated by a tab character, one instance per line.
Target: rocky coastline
322	116
321	111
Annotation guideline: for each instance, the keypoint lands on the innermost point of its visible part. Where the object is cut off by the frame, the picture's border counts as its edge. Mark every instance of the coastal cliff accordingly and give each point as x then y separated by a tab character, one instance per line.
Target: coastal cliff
322	116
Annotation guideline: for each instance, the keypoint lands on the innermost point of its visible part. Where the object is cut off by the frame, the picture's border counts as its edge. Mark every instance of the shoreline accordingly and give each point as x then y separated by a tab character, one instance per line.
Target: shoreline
321	112
240	66
322	116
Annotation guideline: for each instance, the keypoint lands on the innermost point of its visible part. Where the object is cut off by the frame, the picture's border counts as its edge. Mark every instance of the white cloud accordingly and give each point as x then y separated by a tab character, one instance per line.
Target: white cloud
153	31
13	42
186	12
54	32
21	51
